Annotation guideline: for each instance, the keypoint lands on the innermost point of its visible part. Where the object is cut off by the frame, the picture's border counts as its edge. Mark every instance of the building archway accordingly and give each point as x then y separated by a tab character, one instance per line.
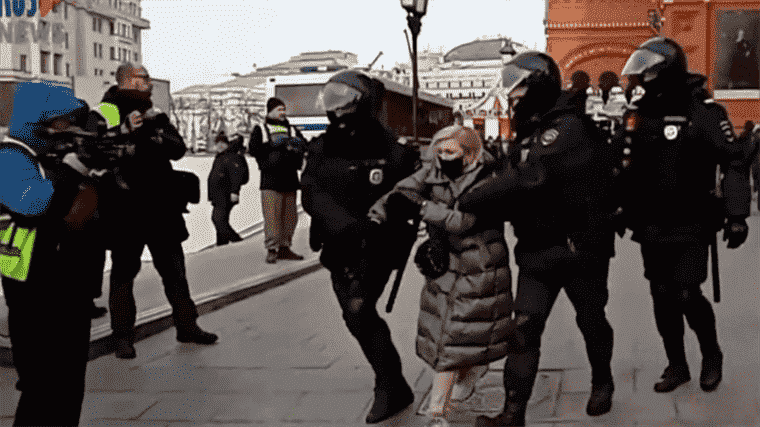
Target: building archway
594	60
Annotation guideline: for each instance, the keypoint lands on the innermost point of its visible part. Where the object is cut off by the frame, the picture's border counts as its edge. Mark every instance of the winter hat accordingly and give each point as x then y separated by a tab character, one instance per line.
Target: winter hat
273	103
466	140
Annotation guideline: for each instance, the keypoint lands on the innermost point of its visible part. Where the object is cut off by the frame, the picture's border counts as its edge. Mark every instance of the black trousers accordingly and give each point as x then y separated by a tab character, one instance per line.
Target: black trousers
357	299
220	216
541	276
50	333
675	272
169	261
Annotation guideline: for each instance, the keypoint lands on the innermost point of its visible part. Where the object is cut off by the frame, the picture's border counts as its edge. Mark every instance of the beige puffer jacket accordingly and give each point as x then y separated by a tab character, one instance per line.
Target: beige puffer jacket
464	314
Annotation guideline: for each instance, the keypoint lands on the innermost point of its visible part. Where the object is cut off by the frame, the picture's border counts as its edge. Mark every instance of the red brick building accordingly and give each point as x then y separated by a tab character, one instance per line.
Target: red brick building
721	39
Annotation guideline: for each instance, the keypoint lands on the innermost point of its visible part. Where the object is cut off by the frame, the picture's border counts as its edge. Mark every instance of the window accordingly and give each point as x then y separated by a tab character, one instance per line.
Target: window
66	14
136	56
57	61
100	25
94	24
135	33
736	63
56	8
66	41
22	66
113	53
95	49
113	30
68	69
44	62
95	73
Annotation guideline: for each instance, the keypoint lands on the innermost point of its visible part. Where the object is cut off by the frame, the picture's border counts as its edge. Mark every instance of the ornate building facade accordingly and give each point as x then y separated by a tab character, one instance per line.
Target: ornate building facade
720	37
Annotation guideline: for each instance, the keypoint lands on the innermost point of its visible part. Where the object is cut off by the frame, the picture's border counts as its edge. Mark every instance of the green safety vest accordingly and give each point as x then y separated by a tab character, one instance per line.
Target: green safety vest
110	112
15	255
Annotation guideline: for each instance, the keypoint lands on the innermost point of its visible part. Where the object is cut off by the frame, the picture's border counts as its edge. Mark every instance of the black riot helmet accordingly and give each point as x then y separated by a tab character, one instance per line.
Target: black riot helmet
540	75
351	95
660	63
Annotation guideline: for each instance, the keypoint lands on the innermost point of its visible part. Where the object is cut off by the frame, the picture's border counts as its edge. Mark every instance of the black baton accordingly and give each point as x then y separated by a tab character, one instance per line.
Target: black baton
400	270
715	270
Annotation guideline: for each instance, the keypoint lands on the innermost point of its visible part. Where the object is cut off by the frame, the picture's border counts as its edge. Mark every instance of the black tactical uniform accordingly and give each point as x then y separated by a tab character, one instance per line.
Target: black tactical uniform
556	188
671	145
349	167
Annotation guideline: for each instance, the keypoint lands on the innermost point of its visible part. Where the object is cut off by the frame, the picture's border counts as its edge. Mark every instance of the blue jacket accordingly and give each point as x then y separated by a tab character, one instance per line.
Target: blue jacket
24	188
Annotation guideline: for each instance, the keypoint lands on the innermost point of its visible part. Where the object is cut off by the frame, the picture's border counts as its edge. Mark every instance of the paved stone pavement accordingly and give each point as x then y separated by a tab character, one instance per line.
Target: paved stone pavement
285	358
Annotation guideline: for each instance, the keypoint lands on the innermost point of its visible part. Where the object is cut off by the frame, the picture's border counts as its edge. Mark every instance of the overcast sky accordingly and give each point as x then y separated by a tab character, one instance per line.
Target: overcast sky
204	41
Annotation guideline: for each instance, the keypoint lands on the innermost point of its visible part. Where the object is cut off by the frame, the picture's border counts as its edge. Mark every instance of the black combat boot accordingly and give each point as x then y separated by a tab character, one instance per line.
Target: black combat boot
674	376
193	334
125	348
600	401
512	415
390	399
712	371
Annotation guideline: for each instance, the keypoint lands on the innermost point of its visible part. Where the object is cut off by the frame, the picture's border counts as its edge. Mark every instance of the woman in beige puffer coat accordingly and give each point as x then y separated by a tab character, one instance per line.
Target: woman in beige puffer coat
465	313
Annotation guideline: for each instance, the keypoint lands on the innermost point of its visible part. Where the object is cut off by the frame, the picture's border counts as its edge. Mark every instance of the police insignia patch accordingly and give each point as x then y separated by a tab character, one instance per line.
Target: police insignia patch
549	136
671	132
376	176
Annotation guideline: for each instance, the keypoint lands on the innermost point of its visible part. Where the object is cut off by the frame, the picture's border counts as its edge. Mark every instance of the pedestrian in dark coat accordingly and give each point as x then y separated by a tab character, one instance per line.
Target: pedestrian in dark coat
228	173
147	209
279	151
465	312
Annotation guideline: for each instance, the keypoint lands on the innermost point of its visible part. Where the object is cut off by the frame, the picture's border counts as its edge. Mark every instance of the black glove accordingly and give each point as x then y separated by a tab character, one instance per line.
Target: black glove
399	208
736	232
432	258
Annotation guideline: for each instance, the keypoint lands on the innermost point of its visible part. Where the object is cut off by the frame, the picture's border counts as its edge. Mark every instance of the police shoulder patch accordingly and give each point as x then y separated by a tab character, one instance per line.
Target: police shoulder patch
376	176
549	136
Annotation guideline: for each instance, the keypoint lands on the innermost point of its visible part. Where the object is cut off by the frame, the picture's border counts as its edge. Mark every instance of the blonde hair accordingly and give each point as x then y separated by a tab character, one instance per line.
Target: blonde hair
466	138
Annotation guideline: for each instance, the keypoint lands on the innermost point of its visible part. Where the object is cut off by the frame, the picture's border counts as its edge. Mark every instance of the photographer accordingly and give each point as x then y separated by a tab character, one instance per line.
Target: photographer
48	205
279	156
146	207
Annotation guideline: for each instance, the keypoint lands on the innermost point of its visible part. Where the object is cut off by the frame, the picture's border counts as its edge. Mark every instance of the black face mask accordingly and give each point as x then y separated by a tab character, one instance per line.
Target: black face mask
452	168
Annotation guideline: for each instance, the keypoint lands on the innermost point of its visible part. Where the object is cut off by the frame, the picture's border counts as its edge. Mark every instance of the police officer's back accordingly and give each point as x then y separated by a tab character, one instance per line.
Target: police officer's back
349	167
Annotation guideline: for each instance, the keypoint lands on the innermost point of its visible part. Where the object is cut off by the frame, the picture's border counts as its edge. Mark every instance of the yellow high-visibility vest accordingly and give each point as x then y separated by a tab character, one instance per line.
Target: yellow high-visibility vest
110	112
16	243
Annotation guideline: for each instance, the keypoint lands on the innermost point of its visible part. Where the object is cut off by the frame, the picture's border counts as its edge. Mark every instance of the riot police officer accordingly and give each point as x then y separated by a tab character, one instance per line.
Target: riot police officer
555	190
349	167
672	143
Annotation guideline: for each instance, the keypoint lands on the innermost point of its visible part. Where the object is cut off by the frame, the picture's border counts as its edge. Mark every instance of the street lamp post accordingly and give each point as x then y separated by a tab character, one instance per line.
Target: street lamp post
507	53
415	9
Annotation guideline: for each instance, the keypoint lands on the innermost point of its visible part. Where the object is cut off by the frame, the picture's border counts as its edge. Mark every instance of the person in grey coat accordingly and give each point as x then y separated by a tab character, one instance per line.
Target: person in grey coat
466	302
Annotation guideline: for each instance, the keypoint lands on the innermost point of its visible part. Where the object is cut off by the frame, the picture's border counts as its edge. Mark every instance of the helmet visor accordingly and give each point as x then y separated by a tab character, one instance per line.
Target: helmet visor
640	61
511	77
339	95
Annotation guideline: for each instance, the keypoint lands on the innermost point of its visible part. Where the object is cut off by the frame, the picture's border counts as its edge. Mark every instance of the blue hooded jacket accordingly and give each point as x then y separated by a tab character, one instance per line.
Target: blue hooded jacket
23	188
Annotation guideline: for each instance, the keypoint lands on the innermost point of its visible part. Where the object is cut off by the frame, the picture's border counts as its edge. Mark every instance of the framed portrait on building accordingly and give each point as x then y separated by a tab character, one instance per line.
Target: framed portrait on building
737	67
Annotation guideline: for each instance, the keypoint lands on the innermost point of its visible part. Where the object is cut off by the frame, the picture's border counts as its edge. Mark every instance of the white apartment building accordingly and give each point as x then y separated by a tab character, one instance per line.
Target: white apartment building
87	38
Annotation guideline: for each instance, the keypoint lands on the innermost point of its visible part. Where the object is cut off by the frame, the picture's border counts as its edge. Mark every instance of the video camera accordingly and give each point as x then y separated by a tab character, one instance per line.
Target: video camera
97	152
